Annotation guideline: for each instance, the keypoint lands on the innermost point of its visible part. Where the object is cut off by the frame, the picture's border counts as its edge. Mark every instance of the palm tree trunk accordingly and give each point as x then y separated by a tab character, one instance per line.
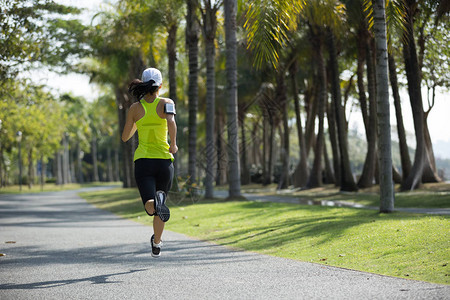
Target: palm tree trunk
329	177
94	158
334	143
333	76
245	173
109	165
264	152
429	172
192	32
281	99
301	171
396	176
271	146
127	162
384	127
234	177
171	45
209	29
116	165
79	164
404	152
255	157
311	100
361	58
415	96
219	141
368	173
315	177
347	181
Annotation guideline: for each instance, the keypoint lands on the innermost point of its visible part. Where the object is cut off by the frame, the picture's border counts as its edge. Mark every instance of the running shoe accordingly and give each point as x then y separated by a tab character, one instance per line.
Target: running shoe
156	248
162	211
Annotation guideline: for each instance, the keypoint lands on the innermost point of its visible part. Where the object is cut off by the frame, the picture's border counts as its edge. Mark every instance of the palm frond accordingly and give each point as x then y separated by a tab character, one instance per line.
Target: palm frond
267	27
368	11
395	18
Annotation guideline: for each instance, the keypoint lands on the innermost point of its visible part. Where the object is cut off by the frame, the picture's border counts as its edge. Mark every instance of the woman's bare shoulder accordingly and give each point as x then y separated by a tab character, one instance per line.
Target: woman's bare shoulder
135	105
166	100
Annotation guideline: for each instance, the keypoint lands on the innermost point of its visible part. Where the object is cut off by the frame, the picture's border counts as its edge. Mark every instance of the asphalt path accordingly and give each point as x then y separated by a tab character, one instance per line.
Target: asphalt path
57	246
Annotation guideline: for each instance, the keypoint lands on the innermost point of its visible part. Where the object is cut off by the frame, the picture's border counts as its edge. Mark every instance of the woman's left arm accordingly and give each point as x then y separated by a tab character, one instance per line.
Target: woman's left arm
172	128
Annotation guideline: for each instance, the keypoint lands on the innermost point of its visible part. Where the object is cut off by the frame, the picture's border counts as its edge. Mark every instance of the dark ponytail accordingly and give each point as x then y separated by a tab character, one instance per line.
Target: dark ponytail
139	89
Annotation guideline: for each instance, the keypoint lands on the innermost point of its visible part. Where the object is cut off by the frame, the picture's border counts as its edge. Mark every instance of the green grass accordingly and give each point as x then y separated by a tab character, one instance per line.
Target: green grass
51	187
404	245
430	196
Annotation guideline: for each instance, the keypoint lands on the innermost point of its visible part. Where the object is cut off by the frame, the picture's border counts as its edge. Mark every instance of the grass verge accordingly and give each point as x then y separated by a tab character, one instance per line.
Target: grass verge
404	245
431	195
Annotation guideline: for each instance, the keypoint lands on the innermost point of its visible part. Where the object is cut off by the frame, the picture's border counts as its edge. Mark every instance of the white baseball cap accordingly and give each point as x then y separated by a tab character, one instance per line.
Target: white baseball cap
152	74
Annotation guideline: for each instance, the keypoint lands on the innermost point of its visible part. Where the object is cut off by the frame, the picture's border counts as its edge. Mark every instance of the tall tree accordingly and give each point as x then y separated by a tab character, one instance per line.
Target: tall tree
368	173
403	146
415	96
281	99
234	177
347	182
301	172
317	36
209	25
192	36
383	113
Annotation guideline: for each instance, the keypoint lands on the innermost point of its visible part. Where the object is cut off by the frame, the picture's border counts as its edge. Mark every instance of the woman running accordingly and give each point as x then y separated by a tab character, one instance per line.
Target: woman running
153	117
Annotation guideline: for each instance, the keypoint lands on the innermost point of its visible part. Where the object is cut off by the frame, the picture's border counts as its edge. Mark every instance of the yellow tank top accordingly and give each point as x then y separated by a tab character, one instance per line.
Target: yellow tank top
152	132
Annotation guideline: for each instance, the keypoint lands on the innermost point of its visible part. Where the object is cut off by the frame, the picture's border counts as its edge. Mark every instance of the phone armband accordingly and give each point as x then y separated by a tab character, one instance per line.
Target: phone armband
169	108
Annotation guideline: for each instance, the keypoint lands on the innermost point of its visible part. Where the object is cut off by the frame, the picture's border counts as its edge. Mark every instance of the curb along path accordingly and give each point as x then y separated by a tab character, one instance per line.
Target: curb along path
57	246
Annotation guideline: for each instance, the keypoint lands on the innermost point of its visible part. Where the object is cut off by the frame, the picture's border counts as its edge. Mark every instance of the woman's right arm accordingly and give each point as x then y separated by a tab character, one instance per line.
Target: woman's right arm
130	126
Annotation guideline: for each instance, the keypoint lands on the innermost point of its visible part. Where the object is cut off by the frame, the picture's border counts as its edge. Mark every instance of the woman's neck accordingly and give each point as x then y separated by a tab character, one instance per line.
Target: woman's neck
150	97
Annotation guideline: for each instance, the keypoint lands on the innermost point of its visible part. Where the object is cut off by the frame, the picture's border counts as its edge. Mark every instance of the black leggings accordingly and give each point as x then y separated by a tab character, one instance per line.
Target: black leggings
153	175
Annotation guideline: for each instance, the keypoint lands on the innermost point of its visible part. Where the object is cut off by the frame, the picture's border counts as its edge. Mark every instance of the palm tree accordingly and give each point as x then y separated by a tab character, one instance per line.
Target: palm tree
267	29
317	36
365	56
384	127
209	25
192	33
368	173
347	182
415	96
404	152
301	172
234	177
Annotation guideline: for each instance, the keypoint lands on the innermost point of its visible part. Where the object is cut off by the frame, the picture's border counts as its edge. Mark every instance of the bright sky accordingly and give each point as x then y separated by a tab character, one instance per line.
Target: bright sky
438	120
